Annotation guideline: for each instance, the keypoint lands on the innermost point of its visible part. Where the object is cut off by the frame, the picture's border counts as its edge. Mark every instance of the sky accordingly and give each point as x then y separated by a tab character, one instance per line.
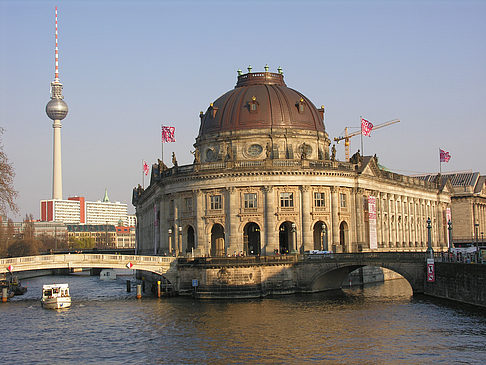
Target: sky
129	66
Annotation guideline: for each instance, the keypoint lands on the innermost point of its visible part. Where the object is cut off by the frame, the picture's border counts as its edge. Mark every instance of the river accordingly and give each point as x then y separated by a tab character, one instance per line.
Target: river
379	324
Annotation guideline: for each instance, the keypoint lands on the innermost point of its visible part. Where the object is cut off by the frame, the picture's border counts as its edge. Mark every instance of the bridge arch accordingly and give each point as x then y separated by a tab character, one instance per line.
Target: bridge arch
332	276
164	266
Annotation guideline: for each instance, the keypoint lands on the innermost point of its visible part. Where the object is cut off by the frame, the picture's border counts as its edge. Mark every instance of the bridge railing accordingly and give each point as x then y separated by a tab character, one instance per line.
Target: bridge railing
404	256
246	260
85	259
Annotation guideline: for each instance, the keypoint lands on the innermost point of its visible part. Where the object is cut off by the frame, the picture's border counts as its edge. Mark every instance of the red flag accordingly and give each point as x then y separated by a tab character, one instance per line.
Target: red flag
366	127
444	156
168	134
146	168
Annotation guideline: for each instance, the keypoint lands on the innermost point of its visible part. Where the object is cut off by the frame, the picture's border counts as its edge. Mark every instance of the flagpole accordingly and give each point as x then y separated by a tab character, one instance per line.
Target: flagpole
361	126
143	176
440	164
162	143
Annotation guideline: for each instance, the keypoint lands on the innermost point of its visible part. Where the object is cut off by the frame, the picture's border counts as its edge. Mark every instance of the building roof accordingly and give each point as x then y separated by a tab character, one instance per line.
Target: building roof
462	182
261	101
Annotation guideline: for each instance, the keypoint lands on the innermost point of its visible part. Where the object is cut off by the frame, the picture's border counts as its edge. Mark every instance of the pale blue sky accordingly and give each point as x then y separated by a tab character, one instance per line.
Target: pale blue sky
128	66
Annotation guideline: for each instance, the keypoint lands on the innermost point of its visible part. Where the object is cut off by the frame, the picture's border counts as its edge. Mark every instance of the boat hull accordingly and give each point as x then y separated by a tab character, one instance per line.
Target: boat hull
56	303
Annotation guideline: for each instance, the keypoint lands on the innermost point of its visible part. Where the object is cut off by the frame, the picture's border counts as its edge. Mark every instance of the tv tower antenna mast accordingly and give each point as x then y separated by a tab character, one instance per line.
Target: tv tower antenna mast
56	110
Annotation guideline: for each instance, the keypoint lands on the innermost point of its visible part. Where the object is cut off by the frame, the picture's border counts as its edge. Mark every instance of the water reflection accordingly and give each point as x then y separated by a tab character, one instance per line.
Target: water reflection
376	324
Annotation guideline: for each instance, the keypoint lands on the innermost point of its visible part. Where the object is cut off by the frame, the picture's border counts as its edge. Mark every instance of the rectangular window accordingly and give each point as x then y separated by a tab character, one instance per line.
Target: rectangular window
286	200
188	202
250	200
342	200
215	201
319	200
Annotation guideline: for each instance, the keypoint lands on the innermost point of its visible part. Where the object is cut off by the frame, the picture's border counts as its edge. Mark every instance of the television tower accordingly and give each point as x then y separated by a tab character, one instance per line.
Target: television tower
56	110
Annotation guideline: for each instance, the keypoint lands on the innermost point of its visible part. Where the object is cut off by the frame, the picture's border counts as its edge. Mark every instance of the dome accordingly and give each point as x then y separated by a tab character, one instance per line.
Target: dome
261	101
56	109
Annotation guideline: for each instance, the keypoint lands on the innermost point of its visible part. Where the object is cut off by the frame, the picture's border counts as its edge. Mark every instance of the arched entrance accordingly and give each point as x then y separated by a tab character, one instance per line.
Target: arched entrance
251	239
343	235
320	236
191	244
286	237
217	240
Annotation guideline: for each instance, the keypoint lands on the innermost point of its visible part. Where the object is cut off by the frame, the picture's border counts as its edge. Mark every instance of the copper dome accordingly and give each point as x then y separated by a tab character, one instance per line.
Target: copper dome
261	101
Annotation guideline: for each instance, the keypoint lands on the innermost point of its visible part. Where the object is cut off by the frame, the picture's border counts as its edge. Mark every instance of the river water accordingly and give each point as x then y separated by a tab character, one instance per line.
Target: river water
380	324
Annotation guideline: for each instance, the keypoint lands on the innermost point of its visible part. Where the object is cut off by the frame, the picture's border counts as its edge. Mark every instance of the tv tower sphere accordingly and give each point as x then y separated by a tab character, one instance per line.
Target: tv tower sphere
56	109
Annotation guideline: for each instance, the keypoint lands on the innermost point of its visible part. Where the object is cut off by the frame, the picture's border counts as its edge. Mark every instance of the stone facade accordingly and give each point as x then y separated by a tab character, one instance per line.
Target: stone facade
263	183
468	205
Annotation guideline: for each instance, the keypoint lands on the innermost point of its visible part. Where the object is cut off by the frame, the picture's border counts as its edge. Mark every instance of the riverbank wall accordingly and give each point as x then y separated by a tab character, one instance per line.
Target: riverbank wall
465	283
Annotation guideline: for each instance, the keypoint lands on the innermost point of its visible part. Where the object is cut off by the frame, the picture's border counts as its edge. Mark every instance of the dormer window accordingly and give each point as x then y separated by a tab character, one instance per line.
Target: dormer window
253	105
300	105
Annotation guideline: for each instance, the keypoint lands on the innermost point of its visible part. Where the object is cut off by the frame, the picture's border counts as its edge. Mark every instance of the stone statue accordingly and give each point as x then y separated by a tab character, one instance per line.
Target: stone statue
197	156
268	150
356	158
229	153
333	153
174	160
162	165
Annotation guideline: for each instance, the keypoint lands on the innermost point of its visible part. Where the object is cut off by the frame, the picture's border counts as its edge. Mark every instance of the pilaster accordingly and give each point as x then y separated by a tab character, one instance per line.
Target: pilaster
270	233
307	238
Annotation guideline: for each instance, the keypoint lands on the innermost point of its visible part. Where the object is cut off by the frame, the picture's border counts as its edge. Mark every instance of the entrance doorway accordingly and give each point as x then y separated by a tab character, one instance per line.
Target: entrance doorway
191	244
343	235
251	239
217	240
286	237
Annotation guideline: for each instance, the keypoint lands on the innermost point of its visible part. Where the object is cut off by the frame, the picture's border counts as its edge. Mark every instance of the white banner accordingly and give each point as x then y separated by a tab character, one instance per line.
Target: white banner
372	222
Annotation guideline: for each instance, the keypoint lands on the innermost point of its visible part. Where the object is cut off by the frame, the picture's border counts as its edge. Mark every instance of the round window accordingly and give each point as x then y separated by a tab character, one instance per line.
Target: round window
255	150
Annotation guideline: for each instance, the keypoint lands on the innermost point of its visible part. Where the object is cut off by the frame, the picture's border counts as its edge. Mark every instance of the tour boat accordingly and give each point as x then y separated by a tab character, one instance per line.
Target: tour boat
55	296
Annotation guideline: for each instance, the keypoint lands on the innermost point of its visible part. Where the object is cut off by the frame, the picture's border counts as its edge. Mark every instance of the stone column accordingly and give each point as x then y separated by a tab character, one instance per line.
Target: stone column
201	240
475	220
176	244
231	228
307	236
358	198
156	210
270	233
162	229
334	216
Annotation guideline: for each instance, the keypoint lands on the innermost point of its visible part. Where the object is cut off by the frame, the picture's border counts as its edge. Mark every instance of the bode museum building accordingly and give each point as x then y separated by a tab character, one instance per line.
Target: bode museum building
264	182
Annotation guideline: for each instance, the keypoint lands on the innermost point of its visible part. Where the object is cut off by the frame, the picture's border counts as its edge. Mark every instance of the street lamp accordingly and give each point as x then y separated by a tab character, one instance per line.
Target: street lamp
169	231
429	238
449	224
294	237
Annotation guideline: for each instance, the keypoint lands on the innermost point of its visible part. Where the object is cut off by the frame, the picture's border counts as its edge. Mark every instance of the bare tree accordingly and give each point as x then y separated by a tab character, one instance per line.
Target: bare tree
7	174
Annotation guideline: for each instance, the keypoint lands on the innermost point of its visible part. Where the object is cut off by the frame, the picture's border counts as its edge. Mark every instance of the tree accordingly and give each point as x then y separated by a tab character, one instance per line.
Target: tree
23	248
7	235
7	174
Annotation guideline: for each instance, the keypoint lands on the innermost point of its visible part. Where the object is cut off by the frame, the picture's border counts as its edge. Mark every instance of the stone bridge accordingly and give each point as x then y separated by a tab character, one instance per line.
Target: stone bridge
164	266
271	275
324	272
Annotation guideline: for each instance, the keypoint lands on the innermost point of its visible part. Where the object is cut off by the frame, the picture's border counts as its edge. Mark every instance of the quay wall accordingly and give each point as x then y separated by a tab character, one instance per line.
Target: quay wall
465	283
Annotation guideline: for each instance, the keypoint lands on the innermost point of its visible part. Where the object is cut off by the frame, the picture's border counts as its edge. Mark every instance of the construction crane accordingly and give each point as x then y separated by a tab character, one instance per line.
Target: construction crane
347	136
